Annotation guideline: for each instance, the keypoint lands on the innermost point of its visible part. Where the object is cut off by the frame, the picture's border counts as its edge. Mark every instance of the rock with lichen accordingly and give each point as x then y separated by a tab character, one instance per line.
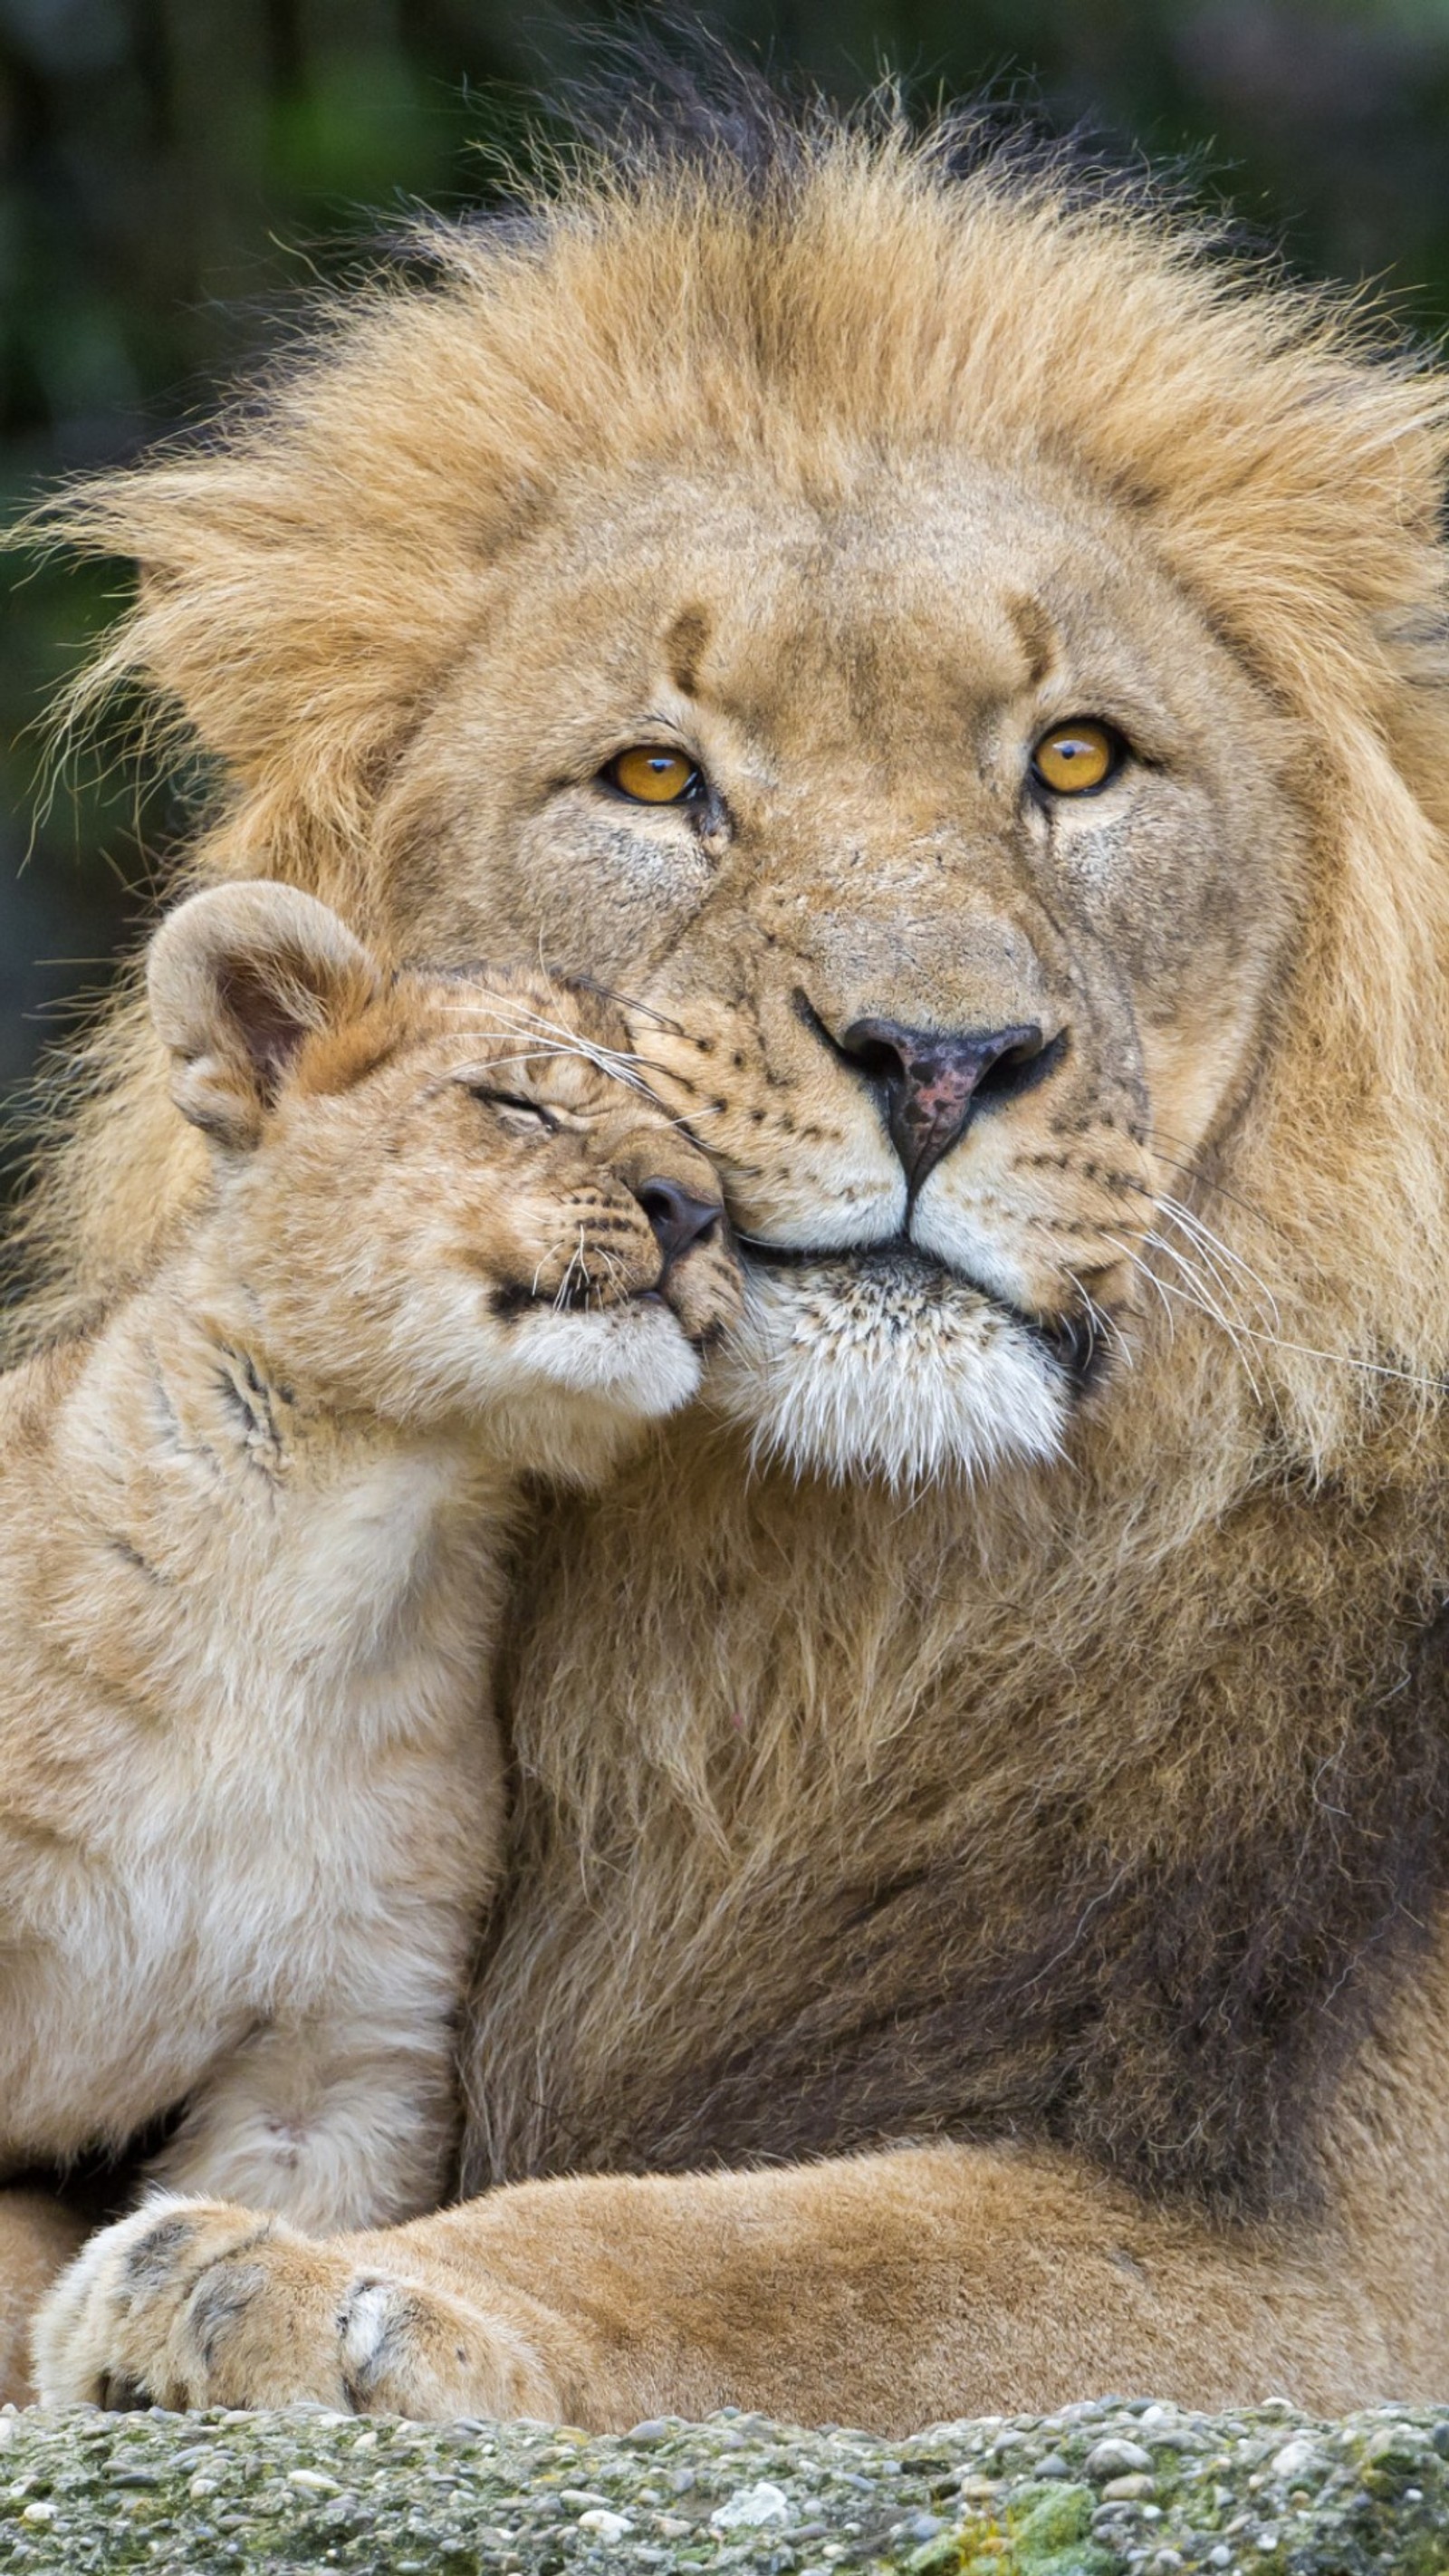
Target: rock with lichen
1099	2488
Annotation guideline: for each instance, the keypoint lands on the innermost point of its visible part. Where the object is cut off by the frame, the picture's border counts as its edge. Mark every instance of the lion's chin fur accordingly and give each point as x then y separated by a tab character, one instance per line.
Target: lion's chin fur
888	1369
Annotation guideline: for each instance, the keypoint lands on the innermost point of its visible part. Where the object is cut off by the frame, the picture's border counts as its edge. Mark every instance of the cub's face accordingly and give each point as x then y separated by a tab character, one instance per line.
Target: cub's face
944	863
460	1204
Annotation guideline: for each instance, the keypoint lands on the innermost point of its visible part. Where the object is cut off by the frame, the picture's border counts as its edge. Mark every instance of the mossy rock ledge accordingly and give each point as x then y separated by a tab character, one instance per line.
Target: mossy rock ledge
1100	2487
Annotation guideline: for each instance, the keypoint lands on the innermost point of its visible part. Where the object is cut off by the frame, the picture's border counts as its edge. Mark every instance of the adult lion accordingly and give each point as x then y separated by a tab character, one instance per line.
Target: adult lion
966	665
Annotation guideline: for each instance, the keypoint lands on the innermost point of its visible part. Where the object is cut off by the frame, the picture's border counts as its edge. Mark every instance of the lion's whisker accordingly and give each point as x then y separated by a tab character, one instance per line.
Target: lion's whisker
1240	1332
1197	1293
1150	1275
1212	1248
1102	1322
1182	1161
1216	1292
1347	1359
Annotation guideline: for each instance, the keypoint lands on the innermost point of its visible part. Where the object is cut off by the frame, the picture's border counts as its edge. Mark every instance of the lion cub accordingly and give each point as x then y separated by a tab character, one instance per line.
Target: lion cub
250	1796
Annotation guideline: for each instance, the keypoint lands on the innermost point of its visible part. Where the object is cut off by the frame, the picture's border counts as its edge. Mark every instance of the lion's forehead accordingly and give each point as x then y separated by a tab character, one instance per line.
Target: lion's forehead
771	593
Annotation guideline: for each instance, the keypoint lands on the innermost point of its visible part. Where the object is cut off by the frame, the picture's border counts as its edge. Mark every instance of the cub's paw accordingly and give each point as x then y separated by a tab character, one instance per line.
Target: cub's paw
194	2303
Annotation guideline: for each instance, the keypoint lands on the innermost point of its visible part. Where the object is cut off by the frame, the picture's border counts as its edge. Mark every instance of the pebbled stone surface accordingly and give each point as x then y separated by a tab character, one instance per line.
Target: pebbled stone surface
1100	2488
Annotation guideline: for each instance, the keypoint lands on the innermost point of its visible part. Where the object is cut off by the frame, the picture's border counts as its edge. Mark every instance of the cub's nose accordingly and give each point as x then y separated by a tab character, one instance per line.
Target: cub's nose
932	1081
679	1219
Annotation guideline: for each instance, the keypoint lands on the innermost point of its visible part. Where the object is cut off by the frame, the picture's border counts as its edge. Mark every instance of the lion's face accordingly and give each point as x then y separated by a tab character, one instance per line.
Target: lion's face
947	1031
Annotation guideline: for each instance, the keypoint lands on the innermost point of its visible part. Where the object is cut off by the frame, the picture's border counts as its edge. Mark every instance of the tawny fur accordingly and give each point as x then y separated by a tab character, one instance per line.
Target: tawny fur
251	1790
936	1750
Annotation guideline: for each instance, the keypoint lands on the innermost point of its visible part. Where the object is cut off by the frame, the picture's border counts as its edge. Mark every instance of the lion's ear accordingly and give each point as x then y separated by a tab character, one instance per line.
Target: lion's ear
238	978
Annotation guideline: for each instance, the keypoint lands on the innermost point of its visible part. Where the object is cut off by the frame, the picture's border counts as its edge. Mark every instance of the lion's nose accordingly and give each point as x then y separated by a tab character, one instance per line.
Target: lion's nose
678	1218
933	1081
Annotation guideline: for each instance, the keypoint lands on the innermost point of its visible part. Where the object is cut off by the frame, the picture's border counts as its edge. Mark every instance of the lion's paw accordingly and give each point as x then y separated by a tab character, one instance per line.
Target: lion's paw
194	2303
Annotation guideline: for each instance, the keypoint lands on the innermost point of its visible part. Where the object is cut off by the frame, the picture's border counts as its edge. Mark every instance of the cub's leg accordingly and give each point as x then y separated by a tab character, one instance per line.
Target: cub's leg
335	2123
192	2303
38	2237
888	2290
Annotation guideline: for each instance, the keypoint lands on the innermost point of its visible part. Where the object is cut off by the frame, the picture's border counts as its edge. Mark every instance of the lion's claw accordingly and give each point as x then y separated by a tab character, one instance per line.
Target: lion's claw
194	2303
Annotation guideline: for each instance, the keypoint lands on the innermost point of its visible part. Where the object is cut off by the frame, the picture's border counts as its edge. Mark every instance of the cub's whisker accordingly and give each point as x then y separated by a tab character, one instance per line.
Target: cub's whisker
576	1258
544	1259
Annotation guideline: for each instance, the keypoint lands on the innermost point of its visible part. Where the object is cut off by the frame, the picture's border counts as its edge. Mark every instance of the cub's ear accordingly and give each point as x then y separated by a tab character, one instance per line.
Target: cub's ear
238	978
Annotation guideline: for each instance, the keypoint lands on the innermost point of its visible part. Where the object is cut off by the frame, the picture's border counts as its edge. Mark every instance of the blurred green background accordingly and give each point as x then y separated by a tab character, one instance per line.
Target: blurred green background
171	171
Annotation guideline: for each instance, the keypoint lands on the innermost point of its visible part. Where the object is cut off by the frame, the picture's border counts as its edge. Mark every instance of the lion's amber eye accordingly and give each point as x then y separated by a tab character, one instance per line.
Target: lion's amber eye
1075	757
652	775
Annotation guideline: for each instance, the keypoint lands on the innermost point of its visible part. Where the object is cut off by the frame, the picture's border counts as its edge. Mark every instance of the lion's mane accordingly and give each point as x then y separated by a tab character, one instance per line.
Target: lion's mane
1098	1805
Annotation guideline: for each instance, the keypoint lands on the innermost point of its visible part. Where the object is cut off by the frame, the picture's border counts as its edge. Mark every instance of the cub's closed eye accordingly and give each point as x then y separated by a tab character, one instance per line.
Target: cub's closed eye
651	774
1075	758
515	1109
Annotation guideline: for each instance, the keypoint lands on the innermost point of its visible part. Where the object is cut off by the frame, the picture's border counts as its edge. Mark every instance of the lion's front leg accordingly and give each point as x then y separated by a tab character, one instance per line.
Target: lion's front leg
197	2303
887	2290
